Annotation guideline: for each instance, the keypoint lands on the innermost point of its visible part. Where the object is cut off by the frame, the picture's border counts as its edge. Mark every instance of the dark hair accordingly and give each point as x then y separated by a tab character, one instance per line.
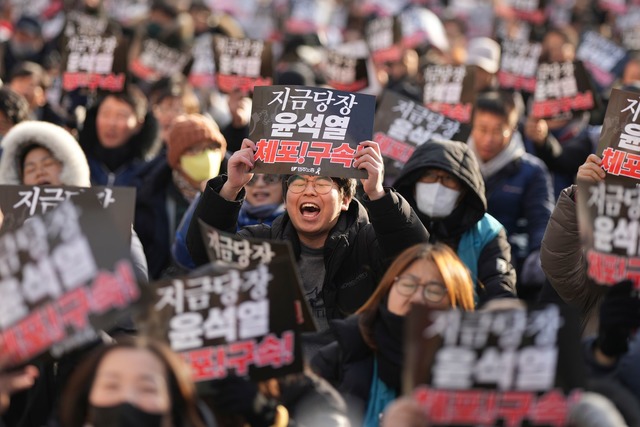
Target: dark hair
455	274
13	105
175	87
22	155
30	69
135	98
347	186
499	103
75	399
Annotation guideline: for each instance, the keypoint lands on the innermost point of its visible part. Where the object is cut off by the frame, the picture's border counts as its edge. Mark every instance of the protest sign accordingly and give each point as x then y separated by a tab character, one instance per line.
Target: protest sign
619	144
628	27
309	130
202	73
449	90
234	251
153	60
64	276
94	61
532	11
346	73
401	125
242	64
128	12
512	367
608	215
383	36
602	57
518	65
20	202
561	89
235	322
478	15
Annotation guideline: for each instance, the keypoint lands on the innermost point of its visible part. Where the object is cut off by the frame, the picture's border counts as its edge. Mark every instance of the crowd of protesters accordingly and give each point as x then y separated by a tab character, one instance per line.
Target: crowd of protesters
461	225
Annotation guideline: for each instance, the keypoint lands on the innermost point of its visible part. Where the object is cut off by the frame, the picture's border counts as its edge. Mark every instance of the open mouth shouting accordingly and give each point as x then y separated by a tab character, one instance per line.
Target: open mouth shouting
309	210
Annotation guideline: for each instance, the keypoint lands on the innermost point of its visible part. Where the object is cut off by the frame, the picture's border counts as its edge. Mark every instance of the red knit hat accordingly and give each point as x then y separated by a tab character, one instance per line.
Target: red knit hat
188	131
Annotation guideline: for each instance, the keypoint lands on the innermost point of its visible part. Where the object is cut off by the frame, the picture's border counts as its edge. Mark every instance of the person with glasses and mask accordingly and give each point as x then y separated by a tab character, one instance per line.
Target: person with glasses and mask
342	249
518	185
365	360
443	183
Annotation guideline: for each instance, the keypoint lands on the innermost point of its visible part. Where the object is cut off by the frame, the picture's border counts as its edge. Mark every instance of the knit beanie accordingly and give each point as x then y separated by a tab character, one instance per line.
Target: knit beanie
190	130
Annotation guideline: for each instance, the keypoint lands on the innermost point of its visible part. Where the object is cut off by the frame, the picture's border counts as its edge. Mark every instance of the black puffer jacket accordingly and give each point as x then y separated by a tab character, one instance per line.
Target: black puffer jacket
356	253
494	270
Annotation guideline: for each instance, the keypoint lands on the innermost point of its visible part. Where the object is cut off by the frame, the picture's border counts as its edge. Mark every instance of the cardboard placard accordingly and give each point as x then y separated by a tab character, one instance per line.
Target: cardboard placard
401	125
602	57
608	216
309	130
64	276
233	251
235	322
492	368
562	88
21	202
519	65
242	64
346	73
202	73
449	90
156	60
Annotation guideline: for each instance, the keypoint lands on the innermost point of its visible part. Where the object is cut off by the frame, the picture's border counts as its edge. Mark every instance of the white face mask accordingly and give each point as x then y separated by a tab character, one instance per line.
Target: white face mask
435	200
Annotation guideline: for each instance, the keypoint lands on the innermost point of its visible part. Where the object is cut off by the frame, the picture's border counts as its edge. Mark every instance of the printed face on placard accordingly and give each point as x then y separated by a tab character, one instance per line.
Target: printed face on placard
131	375
313	214
490	133
420	283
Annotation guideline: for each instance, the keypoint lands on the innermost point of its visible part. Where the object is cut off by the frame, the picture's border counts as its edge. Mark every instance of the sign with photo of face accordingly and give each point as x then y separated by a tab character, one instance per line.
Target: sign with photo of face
515	367
63	276
309	130
242	64
562	88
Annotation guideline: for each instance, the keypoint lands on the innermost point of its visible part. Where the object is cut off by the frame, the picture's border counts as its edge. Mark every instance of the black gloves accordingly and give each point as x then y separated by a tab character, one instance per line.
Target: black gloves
619	316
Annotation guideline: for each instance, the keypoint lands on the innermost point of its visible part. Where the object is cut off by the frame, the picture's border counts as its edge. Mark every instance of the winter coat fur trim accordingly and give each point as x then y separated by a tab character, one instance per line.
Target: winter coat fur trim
63	146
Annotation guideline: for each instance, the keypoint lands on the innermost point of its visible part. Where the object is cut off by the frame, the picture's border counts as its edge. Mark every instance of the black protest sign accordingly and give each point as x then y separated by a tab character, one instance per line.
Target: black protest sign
128	12
80	23
518	65
242	64
304	17
383	36
562	88
234	251
64	275
309	130
153	60
602	57
20	202
532	11
449	90
628	27
401	125
237	322
619	144
202	73
493	368
608	216
346	73
95	62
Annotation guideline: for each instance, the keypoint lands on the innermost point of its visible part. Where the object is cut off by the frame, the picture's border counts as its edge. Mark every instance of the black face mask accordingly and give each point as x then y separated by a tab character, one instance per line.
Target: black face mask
123	415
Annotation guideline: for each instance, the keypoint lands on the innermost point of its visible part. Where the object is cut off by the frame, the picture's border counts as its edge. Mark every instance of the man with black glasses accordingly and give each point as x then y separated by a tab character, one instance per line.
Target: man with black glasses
342	249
